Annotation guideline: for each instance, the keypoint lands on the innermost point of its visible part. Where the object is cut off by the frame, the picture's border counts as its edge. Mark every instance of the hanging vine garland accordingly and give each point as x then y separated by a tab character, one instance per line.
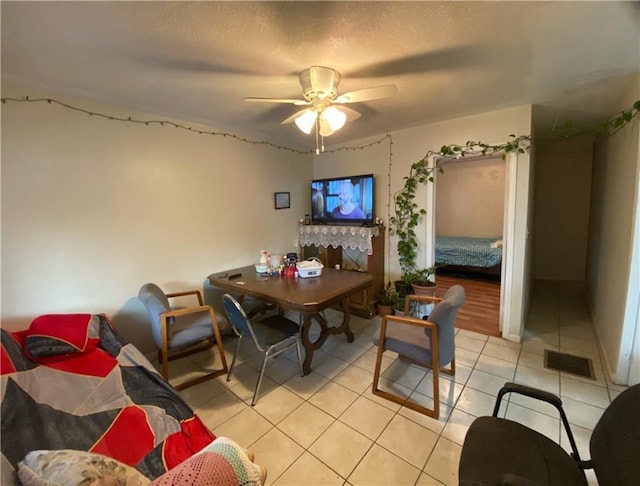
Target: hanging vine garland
607	128
169	123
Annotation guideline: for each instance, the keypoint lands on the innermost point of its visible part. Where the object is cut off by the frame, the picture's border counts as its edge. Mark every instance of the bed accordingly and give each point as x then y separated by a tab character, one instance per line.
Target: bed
70	383
465	254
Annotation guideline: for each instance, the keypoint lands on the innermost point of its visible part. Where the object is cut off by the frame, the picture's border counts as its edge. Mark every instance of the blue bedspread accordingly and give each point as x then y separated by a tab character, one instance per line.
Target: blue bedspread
473	252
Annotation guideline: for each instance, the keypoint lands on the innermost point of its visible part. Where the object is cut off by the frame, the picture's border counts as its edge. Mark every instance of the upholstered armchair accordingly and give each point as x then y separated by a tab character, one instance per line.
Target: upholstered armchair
429	343
178	332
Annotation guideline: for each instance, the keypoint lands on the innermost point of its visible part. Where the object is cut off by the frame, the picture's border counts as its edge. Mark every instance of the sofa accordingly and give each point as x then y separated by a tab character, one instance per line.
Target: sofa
76	395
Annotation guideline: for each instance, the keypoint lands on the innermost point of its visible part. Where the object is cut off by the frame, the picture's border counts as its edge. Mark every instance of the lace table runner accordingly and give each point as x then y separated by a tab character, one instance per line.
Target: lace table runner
354	237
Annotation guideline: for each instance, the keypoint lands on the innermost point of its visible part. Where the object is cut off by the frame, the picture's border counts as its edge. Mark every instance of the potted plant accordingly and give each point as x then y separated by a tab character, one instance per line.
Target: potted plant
403	224
402	288
408	215
386	299
399	307
421	280
418	281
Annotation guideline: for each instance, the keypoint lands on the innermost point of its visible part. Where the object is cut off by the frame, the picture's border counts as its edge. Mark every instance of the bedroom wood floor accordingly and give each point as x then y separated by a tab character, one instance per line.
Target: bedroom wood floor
481	309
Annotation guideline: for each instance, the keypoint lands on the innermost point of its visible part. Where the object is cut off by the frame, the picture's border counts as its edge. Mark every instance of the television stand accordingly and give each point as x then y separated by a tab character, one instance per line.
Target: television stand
358	248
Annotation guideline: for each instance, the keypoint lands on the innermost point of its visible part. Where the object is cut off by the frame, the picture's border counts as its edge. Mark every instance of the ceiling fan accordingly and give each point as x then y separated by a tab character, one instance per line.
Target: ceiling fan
324	107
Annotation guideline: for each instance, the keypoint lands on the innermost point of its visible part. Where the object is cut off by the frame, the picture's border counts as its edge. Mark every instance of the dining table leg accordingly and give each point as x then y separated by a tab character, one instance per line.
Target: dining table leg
325	332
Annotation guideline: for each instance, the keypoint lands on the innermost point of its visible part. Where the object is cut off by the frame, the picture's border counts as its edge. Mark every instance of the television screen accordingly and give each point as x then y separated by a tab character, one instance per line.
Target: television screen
342	200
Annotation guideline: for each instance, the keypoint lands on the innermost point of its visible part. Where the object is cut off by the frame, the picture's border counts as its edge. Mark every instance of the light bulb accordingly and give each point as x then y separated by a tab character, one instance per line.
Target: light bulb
306	121
335	117
325	127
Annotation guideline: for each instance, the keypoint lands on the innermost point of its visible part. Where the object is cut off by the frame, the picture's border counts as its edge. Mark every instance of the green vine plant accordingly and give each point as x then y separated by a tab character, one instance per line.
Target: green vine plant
407	214
607	128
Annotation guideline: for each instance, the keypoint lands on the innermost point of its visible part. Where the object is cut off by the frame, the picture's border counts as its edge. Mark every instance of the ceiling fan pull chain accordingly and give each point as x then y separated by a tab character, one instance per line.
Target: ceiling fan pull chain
317	135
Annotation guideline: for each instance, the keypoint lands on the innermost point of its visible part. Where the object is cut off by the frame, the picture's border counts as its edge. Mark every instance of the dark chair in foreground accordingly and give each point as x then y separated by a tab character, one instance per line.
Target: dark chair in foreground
272	336
429	343
500	451
177	332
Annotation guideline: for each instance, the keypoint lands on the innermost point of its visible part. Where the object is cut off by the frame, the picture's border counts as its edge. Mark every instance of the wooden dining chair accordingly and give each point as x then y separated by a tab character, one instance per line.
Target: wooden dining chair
177	332
429	343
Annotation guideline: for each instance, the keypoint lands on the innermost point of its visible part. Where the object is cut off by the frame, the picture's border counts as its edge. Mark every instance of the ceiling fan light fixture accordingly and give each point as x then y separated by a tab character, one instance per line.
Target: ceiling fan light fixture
306	121
335	117
320	91
324	127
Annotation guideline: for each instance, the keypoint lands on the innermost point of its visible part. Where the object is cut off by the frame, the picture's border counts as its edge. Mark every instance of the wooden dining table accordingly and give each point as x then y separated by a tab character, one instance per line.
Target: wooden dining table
309	296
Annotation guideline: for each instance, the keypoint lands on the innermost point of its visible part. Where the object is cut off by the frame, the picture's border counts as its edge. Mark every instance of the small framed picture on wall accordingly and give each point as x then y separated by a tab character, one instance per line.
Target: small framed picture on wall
282	200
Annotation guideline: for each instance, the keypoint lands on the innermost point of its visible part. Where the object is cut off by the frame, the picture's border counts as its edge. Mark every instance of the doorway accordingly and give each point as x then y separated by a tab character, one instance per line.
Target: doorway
469	228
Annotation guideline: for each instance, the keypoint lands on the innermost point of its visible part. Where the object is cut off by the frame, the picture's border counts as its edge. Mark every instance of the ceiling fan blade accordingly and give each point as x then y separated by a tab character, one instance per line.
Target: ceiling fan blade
277	100
293	117
367	94
456	57
218	63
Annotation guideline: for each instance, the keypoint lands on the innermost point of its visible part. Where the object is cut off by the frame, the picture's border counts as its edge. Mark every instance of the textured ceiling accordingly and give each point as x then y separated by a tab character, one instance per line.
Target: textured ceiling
196	61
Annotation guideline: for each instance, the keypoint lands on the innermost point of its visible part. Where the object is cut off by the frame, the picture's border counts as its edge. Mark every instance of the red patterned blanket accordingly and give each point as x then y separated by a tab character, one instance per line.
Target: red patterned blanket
71	382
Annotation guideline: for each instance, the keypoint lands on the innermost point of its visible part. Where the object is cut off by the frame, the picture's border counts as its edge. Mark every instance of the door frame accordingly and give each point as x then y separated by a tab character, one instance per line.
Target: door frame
628	370
513	288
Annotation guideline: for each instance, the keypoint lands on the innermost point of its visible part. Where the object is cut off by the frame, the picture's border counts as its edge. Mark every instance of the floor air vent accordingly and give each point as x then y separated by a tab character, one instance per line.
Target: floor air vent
569	363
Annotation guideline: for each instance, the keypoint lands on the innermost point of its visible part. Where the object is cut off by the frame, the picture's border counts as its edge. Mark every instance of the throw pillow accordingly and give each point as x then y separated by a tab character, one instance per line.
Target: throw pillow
76	468
59	334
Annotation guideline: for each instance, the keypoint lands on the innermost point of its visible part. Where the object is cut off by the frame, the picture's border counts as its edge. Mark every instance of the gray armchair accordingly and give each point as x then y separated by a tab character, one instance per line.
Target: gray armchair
177	332
429	343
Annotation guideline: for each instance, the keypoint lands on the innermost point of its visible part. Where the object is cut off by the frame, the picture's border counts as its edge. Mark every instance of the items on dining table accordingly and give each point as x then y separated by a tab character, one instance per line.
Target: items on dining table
277	265
311	267
275	261
290	269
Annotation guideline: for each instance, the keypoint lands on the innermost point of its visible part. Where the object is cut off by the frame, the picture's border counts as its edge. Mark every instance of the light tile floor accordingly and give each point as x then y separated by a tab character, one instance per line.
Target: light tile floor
328	428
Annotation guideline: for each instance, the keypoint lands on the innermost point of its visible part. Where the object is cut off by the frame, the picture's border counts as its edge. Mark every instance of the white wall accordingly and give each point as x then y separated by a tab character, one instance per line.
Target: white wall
93	208
470	198
611	240
562	206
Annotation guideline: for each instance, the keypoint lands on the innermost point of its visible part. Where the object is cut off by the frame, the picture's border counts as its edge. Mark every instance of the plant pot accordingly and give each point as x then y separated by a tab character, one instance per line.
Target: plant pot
429	289
384	310
402	289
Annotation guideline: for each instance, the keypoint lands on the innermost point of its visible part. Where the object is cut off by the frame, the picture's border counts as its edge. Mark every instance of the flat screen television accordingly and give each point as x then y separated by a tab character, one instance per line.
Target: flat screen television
343	200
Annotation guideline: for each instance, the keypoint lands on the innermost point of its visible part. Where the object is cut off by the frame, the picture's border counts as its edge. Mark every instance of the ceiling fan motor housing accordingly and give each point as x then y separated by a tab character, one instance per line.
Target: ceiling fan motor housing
319	82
